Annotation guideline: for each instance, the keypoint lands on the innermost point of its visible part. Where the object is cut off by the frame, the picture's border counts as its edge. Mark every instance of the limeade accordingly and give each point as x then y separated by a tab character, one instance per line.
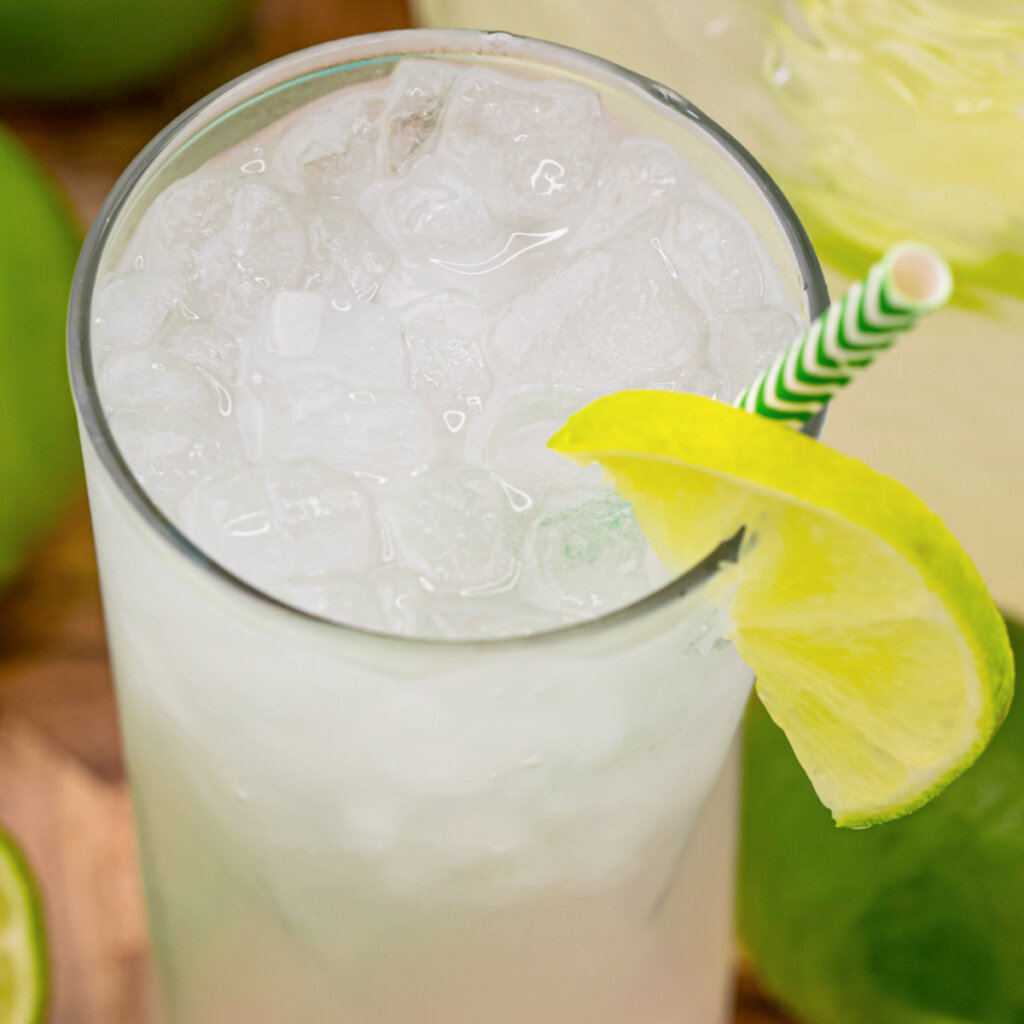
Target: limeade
331	355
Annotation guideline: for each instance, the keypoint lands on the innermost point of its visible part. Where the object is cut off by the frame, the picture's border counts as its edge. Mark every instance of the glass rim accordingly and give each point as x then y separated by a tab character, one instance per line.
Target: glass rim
394	46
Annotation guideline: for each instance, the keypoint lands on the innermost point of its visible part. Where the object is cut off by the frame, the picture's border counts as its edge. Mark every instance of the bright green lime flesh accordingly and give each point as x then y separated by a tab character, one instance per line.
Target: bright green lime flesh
39	455
23	974
875	644
920	922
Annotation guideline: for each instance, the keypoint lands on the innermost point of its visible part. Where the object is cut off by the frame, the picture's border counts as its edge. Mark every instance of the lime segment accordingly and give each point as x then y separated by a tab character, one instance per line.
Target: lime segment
876	645
23	974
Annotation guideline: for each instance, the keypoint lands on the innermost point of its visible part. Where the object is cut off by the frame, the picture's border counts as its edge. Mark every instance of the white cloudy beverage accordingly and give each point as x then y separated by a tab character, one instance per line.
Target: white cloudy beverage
414	735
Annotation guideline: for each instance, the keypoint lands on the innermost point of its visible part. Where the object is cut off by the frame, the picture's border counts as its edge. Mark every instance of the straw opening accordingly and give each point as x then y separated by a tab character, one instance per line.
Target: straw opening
919	276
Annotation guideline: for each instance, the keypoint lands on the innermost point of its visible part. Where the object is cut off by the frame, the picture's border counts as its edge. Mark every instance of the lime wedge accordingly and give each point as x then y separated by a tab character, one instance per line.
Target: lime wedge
23	973
876	645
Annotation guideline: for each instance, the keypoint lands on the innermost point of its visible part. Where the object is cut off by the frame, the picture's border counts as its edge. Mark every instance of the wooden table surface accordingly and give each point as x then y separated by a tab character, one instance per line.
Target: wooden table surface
62	789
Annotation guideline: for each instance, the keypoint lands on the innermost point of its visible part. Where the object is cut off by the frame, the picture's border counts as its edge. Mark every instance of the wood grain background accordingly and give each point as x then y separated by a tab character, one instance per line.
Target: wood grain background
62	789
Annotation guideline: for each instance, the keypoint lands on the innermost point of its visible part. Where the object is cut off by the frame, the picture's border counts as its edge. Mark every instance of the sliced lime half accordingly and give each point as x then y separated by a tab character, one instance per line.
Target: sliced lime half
23	970
876	645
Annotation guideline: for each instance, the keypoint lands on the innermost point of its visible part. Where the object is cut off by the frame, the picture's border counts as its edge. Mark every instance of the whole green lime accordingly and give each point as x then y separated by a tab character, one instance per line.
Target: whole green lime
84	49
39	456
919	921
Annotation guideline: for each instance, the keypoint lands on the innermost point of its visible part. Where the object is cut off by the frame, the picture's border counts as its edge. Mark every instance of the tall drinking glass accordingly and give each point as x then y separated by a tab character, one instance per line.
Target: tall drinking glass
341	825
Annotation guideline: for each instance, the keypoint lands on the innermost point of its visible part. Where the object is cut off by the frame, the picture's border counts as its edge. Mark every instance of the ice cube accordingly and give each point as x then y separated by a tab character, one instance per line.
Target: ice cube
414	106
455	528
348	258
355	342
492	275
697	380
170	452
181	219
129	309
363	342
205	347
261	249
435	212
330	519
153	378
337	596
232	519
332	150
295	322
585	553
445	334
232	240
280	520
402	598
714	257
516	446
748	342
533	148
381	433
645	175
249	420
609	317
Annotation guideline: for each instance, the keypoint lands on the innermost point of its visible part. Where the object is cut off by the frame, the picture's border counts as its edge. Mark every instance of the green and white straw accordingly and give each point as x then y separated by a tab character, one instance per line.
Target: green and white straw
908	281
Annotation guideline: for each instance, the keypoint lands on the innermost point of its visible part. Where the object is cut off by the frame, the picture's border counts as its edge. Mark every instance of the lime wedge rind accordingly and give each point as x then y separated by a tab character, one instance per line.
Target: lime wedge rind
741	467
22	939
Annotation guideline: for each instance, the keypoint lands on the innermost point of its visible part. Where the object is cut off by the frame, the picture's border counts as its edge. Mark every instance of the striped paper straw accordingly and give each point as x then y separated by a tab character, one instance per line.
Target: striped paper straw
910	280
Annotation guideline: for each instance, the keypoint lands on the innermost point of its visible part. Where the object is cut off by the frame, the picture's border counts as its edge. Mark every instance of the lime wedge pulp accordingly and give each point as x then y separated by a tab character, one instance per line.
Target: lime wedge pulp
23	973
875	643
